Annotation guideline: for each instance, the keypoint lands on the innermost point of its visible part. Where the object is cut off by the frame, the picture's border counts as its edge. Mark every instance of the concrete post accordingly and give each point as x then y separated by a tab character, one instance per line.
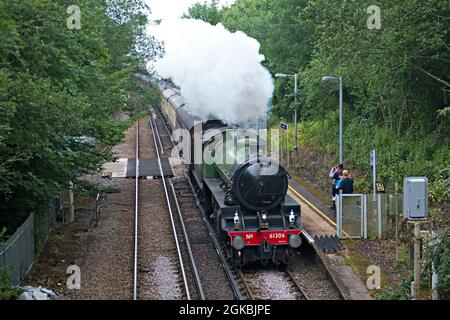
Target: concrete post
68	204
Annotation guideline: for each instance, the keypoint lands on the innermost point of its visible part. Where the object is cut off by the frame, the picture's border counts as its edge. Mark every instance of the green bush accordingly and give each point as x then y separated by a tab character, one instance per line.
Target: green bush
7	291
440	256
401	293
398	155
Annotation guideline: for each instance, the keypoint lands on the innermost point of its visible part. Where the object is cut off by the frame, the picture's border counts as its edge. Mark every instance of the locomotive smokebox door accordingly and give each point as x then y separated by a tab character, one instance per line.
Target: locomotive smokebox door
415	198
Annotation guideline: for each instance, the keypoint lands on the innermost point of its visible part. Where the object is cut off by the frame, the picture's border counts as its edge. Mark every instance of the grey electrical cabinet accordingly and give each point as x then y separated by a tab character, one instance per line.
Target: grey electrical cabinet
415	198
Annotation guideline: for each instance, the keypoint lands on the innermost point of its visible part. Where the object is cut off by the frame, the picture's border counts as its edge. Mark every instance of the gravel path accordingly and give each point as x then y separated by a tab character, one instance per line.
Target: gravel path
104	256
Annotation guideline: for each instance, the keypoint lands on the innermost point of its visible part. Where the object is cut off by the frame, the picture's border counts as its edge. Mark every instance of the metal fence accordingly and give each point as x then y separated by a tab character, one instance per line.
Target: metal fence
18	252
44	221
368	215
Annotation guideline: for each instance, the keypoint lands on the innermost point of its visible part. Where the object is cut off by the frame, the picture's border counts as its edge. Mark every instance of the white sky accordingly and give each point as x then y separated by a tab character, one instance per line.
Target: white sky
168	9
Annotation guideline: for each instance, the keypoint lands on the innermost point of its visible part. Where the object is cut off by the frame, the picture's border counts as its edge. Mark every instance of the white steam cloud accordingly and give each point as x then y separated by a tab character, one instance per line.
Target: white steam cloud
219	72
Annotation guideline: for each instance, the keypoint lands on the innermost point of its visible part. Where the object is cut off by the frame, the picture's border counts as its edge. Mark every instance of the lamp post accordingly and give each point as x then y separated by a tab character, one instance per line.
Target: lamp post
295	76
338	80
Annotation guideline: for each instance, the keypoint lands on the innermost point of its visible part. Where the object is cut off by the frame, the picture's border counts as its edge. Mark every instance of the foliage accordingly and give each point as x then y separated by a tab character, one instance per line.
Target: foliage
441	258
396	87
208	12
401	293
439	255
2	235
59	85
396	90
286	44
7	291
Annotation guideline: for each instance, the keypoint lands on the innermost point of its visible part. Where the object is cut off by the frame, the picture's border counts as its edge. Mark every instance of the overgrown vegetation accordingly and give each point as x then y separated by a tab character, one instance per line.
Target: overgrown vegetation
7	290
59	85
396	87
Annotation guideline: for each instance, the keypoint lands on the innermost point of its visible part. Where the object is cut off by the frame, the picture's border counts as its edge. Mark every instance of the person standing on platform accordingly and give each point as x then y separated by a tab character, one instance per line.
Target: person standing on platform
345	184
335	175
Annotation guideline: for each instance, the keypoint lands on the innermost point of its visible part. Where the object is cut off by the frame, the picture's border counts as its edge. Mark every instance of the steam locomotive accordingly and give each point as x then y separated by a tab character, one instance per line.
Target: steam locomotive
246	195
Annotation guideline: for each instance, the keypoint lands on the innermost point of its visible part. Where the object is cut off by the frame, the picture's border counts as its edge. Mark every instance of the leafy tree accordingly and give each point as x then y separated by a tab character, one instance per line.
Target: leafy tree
286	44
208	12
58	85
396	85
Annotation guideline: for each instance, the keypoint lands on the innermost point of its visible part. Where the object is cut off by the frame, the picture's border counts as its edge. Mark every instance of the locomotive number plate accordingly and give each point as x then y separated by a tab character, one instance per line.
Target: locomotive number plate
252	238
277	235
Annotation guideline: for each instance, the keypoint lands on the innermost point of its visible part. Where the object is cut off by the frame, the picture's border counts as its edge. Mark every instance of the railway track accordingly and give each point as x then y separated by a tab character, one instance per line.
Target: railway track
136	215
186	188
179	232
253	288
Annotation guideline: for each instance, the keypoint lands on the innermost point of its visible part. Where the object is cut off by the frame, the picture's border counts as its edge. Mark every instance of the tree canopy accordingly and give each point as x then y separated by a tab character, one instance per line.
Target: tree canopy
396	83
208	12
59	85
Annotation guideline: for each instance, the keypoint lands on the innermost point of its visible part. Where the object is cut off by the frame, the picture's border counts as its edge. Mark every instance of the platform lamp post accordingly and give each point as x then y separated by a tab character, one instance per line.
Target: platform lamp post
338	80
295	76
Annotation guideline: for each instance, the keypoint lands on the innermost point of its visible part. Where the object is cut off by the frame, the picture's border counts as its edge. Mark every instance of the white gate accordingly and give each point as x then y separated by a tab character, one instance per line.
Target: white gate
351	215
368	215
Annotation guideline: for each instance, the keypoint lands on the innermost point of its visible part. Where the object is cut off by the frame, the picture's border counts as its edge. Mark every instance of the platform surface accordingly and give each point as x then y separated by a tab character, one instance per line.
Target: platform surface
318	220
314	220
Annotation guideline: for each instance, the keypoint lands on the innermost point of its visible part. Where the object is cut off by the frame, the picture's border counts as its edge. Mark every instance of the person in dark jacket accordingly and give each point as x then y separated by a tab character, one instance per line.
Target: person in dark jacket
345	184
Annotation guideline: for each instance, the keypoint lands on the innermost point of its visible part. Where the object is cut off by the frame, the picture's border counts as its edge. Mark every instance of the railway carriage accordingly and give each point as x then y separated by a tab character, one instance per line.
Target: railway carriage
253	214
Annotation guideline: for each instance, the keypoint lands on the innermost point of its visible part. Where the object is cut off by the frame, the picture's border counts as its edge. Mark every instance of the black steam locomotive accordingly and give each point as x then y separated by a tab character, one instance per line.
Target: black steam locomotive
244	193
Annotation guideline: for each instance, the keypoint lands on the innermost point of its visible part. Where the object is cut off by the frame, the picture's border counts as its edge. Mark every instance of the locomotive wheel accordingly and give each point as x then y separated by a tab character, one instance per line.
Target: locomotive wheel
284	259
237	259
265	262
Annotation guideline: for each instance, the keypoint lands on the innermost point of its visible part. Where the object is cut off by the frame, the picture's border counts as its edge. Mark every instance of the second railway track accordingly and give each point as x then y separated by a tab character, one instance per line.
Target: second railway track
159	266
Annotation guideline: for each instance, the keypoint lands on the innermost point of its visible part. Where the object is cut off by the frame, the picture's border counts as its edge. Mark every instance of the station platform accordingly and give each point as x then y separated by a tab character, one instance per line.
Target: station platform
316	218
318	221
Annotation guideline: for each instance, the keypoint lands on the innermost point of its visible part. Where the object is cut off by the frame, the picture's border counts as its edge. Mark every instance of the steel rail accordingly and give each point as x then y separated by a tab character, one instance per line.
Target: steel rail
229	273
165	126
136	211
198	283
158	135
166	192
246	285
300	289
